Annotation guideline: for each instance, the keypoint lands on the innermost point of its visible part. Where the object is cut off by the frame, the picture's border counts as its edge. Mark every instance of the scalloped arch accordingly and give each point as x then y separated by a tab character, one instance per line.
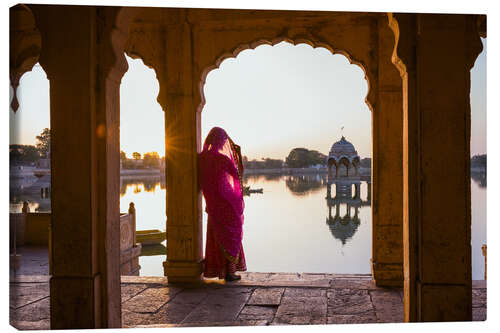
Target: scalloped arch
272	42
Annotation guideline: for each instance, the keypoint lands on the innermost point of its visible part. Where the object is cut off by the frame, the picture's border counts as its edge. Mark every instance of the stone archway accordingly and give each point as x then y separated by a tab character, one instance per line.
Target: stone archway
405	123
190	42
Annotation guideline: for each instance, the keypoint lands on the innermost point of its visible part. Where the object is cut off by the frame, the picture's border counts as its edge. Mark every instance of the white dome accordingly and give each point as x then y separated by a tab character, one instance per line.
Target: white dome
343	148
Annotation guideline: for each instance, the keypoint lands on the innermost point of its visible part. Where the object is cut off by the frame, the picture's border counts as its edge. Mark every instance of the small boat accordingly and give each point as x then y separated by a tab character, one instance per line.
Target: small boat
153	250
41	172
247	190
150	237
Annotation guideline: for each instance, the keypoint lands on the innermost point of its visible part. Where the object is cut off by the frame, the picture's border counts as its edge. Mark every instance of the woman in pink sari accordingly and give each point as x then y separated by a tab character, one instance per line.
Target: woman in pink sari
220	172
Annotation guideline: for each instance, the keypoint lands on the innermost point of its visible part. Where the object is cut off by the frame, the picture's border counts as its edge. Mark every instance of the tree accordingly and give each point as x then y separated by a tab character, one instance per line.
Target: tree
297	158
43	142
478	161
303	158
151	159
136	156
270	163
23	153
123	156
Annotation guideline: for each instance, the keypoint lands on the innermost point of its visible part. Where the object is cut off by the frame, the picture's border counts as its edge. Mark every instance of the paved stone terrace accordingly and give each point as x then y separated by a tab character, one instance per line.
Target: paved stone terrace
258	299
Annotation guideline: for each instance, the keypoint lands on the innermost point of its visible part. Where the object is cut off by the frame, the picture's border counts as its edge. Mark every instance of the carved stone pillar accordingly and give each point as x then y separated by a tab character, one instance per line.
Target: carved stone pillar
387	172
434	54
82	55
184	225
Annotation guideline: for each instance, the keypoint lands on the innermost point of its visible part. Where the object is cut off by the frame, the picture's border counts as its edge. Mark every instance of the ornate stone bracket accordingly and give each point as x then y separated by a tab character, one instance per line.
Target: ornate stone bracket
25	46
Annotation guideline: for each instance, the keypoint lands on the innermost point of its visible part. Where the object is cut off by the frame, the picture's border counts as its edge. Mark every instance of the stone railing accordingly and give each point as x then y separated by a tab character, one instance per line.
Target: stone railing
129	249
33	229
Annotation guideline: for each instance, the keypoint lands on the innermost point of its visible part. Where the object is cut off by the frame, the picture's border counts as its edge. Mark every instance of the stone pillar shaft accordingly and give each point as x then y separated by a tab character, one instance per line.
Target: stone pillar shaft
184	227
79	60
436	53
387	153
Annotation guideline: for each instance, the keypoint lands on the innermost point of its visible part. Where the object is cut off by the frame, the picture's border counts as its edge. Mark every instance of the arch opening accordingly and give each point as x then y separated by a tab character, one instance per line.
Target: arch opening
142	165
265	92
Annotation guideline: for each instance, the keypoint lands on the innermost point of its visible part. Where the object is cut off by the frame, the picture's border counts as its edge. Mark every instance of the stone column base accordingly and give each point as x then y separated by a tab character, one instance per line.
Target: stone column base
387	274
183	271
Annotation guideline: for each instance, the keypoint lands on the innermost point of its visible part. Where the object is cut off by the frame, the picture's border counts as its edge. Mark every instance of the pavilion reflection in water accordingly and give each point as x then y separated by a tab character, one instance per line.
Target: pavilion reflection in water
343	208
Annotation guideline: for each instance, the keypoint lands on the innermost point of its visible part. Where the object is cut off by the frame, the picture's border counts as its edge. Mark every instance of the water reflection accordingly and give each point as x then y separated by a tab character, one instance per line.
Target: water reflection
259	178
344	226
479	178
149	184
285	229
301	185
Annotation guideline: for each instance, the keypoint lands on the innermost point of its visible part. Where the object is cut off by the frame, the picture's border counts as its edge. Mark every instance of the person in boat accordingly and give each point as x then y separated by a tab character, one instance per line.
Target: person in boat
220	177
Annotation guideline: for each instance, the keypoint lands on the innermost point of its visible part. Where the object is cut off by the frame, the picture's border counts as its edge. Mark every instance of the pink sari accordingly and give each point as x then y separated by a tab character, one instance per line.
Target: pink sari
219	178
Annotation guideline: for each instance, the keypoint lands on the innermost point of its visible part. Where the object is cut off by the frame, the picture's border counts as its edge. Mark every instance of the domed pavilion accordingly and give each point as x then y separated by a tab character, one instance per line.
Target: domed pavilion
342	153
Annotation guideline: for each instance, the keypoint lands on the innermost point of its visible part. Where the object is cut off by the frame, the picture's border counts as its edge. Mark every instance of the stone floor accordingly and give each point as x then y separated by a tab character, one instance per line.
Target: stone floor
259	299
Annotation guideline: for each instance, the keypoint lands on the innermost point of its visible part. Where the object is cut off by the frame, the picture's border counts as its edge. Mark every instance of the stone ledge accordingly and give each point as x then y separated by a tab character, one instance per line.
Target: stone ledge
209	324
257	280
30	279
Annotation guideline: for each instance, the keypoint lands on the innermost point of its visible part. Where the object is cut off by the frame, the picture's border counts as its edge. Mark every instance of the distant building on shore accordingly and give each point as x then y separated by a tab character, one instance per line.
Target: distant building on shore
342	154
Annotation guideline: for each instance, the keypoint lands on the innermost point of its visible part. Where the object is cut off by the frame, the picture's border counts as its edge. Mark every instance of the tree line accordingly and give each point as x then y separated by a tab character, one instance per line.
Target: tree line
26	154
138	161
297	158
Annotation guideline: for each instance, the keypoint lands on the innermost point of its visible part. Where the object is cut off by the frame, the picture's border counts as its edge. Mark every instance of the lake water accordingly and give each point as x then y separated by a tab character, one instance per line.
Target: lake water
291	226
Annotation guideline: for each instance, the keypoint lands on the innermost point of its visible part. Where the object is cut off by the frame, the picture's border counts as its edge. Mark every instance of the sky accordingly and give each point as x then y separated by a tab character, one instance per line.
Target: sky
270	100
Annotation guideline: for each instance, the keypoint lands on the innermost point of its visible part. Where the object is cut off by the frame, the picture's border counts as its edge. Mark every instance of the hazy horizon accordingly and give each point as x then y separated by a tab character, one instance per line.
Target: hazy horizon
270	100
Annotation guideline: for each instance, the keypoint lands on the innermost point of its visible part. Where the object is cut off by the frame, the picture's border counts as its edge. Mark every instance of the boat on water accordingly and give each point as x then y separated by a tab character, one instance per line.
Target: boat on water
150	237
247	190
41	172
153	250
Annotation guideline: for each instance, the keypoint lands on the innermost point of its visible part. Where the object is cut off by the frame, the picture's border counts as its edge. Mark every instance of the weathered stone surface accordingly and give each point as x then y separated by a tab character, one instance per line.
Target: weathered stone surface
254	276
214	324
363	318
301	310
479	284
131	290
191	306
29	278
352	284
256	312
304	292
388	306
131	319
314	276
479	314
284	277
266	296
150	300
33	312
348	301
478	298
180	306
25	293
222	304
144	279
43	324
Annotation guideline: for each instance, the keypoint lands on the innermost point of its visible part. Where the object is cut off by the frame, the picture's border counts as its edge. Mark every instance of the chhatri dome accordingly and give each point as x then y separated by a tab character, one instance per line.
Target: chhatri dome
343	152
343	148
